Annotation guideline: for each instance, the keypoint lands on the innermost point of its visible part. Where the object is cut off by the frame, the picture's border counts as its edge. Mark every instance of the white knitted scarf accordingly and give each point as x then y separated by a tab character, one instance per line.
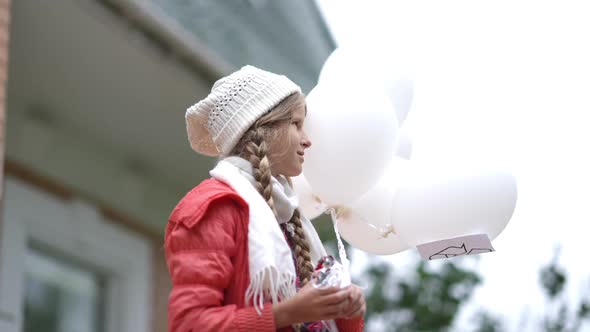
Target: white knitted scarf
272	270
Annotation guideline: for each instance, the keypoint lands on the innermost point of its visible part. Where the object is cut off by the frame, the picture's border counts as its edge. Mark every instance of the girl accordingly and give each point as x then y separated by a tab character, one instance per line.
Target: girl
239	252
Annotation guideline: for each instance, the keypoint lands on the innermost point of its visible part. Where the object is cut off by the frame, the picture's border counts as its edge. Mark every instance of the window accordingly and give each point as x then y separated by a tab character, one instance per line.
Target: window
60	295
63	267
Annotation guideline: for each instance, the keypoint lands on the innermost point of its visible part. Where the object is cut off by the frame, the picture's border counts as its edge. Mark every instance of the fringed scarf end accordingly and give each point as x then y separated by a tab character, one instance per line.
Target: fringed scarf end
268	285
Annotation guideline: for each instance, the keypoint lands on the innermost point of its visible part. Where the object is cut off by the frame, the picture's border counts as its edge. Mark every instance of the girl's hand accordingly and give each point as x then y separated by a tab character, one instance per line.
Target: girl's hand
357	306
311	304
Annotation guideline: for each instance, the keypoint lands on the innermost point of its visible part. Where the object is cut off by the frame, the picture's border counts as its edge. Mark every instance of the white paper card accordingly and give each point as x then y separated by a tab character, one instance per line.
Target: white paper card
463	245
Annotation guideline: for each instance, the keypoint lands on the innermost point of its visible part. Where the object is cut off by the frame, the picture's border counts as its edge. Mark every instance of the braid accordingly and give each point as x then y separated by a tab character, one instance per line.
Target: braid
302	252
257	151
304	265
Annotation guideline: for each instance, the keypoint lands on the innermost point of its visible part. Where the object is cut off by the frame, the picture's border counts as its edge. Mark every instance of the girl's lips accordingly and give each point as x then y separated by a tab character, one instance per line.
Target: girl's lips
301	155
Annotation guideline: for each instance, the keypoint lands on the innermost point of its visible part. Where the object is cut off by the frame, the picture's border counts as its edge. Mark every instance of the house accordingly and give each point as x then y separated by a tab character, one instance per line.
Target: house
95	151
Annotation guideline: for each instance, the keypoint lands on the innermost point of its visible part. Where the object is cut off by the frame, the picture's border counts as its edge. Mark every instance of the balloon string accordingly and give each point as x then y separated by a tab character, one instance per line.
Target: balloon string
341	250
335	213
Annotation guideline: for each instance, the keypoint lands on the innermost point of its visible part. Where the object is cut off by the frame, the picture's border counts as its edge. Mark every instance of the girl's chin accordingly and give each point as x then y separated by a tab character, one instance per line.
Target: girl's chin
296	171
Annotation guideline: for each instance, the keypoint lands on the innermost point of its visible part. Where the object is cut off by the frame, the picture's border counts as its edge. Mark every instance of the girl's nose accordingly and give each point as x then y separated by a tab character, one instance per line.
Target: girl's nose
306	142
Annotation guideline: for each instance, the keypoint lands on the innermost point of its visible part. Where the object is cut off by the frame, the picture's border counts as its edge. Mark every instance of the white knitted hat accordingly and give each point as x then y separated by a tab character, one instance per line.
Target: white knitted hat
216	123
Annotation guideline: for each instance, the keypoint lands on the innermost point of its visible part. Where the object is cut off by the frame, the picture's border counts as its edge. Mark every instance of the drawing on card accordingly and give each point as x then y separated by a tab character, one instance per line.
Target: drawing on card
453	251
448	252
448	248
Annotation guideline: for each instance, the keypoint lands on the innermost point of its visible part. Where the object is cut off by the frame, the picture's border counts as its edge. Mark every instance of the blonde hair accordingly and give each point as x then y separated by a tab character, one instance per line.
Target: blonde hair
253	146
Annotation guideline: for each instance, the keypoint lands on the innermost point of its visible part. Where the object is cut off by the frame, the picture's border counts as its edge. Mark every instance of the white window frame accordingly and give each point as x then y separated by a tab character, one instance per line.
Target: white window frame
78	229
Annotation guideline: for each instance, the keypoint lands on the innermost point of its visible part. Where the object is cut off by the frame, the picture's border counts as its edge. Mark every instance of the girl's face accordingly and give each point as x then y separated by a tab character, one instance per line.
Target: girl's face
286	150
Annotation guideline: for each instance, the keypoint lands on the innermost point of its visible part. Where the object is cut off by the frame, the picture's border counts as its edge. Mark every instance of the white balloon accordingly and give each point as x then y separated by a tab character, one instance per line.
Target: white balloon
404	144
400	90
353	133
376	68
309	204
334	63
430	207
358	233
368	224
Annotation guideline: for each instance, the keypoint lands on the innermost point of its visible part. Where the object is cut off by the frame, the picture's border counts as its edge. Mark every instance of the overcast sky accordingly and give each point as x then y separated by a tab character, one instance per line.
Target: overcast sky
504	84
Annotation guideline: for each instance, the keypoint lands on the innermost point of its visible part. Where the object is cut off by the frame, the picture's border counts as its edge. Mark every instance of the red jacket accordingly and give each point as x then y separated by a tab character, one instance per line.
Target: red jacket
206	244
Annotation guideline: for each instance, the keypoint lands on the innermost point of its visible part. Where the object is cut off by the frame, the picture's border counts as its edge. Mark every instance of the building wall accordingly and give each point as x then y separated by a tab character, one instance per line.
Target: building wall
161	282
4	38
286	37
162	287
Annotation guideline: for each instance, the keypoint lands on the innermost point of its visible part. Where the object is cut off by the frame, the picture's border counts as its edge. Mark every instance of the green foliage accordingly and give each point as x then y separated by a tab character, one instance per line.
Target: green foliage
566	316
488	323
426	301
553	280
